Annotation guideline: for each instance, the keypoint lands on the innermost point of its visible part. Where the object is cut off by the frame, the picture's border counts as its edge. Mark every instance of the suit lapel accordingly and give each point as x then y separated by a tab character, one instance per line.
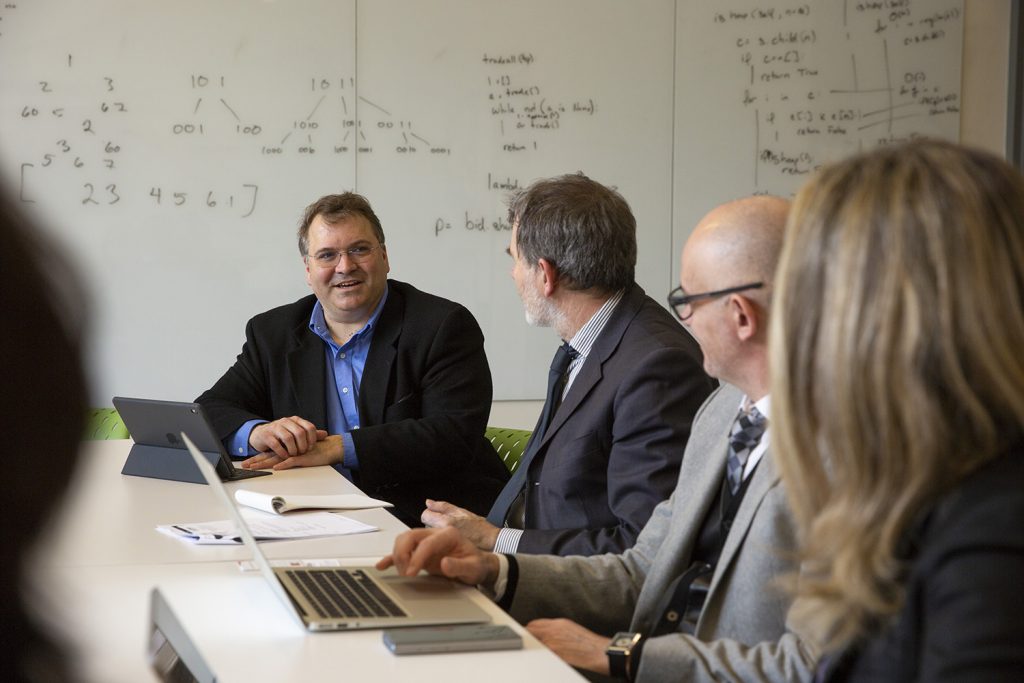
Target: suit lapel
700	477
532	446
701	486
593	369
379	361
307	369
762	481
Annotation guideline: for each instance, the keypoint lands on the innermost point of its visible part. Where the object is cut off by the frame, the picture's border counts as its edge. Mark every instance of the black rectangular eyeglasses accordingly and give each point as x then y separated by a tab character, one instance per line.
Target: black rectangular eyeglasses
681	303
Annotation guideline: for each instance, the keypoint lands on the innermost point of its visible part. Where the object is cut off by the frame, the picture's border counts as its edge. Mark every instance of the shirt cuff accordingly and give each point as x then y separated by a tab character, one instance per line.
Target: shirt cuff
350	457
237	444
508	540
500	583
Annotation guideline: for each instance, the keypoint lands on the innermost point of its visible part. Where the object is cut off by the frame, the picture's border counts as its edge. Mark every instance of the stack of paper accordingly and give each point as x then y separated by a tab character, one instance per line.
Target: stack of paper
267	528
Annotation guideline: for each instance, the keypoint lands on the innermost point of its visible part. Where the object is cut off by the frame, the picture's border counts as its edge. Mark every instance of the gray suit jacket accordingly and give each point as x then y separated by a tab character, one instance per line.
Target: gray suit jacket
742	634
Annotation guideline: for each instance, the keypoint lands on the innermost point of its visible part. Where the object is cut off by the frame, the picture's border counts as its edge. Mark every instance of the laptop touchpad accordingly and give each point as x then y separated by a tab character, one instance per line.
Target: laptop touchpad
420	588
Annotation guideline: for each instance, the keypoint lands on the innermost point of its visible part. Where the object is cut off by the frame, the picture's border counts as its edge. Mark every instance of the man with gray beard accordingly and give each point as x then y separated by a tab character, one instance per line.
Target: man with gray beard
622	391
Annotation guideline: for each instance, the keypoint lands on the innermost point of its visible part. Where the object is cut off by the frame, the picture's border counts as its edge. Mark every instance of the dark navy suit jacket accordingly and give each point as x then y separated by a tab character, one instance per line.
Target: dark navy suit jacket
613	450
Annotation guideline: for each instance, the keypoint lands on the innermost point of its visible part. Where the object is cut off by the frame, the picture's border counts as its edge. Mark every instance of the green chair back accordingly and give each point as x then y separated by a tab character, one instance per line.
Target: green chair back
509	443
104	423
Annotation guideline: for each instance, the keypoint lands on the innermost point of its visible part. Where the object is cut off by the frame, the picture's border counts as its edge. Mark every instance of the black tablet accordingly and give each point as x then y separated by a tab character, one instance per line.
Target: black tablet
159	453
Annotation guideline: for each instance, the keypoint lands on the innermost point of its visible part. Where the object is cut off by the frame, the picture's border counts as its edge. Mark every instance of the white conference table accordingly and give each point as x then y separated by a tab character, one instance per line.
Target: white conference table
104	556
110	518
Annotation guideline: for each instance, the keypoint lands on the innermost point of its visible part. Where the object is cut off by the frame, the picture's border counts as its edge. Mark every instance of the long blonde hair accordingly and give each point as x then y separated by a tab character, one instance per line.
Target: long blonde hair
897	356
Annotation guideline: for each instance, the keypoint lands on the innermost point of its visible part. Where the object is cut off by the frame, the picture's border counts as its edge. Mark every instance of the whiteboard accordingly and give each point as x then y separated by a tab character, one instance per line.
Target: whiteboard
173	146
798	84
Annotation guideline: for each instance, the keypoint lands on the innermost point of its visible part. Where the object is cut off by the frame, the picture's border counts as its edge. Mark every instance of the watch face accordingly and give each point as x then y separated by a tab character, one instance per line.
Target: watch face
623	640
619	652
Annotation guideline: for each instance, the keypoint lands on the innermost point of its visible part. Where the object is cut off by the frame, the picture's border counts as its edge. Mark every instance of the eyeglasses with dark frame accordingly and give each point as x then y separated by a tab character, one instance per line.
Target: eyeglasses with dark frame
681	303
329	258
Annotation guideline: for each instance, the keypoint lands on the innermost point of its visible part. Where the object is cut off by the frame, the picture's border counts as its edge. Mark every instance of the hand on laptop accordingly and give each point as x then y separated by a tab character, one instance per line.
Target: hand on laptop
286	437
442	552
474	528
328	451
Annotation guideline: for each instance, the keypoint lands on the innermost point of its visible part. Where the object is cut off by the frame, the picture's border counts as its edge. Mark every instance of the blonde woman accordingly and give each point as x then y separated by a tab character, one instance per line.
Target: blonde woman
898	400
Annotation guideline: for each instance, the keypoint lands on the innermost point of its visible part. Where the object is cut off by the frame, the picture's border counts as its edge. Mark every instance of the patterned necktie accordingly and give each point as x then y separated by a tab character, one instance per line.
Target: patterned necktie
513	490
746	434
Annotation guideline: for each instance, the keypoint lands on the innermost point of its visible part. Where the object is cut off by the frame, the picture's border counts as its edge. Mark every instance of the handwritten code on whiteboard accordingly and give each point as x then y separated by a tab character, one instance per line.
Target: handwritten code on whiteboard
173	146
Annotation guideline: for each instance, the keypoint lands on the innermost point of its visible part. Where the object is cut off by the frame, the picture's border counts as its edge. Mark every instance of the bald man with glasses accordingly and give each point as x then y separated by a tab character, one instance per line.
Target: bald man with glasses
682	303
388	384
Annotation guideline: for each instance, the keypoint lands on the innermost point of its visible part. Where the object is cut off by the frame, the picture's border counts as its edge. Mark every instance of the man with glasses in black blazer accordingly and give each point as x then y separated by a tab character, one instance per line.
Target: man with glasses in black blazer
388	384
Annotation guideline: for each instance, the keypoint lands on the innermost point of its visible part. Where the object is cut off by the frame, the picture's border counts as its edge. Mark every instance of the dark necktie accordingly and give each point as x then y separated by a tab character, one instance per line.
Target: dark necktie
746	433
557	376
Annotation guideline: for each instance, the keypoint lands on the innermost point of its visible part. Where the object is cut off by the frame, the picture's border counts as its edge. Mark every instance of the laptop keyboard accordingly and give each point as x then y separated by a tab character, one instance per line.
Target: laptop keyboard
344	593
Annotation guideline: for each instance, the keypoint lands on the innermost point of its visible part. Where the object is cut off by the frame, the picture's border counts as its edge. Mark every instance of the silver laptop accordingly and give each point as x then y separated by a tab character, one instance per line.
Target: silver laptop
345	598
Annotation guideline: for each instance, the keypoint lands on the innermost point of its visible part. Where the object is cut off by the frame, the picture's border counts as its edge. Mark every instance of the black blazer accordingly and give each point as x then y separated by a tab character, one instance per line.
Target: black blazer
424	397
613	450
963	614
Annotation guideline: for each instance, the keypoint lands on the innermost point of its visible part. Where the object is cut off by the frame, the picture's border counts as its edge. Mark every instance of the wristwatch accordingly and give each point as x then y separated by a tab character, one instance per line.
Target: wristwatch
619	652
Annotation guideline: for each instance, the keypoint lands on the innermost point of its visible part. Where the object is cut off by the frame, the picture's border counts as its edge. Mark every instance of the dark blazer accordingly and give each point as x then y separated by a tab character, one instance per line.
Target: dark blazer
613	450
963	612
424	397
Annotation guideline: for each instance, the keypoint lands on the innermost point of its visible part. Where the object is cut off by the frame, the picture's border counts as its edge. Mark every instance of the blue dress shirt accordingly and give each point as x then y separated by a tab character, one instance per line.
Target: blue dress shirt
344	369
